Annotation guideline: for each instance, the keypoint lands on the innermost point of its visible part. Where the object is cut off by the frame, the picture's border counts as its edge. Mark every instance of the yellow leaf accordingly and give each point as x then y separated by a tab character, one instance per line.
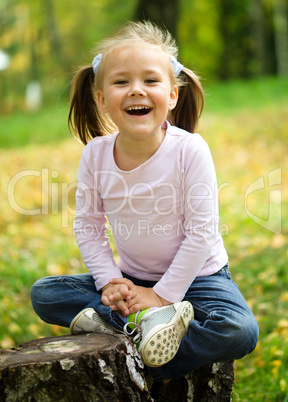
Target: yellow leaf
284	296
283	385
276	363
283	323
275	371
7	343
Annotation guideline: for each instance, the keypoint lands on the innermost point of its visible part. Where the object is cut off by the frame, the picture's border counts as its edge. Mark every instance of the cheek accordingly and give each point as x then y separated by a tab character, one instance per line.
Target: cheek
162	97
114	96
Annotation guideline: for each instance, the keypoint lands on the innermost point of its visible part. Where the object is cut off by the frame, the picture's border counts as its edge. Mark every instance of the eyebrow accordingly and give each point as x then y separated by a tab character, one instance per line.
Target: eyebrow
125	72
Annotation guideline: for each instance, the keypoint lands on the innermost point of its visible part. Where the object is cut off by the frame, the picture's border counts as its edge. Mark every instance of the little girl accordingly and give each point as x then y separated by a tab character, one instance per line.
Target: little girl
141	169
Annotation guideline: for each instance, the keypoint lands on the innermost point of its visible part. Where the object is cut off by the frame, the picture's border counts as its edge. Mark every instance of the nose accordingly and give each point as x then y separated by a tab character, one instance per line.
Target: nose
136	89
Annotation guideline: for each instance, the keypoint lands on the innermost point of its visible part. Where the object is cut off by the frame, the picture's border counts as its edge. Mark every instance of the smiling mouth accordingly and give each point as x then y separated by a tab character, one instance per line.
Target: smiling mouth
138	110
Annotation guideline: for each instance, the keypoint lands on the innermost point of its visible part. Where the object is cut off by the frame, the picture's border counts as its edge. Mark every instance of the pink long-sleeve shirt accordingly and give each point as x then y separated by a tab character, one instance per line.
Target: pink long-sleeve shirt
163	214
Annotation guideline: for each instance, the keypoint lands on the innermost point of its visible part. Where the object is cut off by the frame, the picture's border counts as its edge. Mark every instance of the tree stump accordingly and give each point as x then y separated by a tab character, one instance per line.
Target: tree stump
99	367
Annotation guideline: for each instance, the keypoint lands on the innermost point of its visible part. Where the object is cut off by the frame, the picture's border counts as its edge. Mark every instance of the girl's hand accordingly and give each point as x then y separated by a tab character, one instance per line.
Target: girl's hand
141	297
116	297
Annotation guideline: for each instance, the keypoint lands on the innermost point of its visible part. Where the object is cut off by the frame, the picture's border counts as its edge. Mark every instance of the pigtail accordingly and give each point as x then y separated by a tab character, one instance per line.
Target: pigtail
84	118
190	102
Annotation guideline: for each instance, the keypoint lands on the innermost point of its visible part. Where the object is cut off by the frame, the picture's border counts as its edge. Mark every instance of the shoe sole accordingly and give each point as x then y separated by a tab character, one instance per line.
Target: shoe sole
163	344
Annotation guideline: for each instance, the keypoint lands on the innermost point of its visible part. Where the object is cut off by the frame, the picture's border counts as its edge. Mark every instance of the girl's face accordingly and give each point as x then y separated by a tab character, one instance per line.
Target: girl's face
137	90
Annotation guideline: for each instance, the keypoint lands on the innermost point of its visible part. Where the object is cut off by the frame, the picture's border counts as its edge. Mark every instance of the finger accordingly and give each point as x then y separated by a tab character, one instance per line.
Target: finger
122	294
125	292
115	297
105	301
121	305
120	281
135	308
134	305
113	307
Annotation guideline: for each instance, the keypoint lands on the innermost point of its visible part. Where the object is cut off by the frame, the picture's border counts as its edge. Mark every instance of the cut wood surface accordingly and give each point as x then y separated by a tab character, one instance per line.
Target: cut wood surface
99	367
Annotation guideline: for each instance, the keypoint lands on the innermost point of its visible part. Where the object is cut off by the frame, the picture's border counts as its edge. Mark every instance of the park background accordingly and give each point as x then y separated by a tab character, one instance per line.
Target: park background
240	49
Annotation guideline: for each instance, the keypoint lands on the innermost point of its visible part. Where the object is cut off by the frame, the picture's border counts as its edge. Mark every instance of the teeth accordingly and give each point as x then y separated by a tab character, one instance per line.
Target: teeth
137	107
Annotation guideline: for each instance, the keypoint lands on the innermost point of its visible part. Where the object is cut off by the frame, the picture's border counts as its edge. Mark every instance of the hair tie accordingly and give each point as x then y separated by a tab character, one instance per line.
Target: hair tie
96	62
177	67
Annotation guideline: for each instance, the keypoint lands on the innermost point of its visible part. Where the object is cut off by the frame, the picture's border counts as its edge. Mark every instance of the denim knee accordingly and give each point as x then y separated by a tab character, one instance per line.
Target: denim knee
34	292
243	336
42	296
36	295
251	330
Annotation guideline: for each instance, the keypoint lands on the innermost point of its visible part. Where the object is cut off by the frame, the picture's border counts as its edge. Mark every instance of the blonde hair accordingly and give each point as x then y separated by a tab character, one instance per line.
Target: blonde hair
86	120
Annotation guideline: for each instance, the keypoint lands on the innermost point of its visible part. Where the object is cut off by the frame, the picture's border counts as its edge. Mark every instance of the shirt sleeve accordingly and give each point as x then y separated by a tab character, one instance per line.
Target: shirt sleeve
200	226
90	227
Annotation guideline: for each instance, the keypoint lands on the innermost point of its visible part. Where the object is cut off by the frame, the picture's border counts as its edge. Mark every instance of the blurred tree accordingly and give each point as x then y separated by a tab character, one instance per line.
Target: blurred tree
262	35
259	46
52	29
198	35
164	13
234	27
223	39
280	18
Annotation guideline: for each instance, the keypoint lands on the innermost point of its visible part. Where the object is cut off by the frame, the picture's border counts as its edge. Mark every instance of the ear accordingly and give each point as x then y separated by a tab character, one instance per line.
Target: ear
173	97
101	103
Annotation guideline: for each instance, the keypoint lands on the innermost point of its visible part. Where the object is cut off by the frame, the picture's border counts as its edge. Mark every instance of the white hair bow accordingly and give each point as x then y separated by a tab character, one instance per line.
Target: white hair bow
177	67
96	62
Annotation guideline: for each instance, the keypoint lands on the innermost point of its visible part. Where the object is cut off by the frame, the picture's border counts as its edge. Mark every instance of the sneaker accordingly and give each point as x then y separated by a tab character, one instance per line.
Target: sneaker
160	332
90	321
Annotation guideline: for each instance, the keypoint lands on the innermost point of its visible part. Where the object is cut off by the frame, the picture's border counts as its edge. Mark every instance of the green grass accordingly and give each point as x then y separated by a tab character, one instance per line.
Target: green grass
246	126
49	125
237	95
263	375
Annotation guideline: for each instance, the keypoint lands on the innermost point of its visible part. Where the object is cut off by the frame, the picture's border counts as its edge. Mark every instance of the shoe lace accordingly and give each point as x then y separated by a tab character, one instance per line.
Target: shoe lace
130	332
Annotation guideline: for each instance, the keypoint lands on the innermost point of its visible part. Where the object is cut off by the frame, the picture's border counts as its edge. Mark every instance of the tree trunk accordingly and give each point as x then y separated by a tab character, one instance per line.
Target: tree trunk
258	38
99	367
234	27
52	29
281	35
164	13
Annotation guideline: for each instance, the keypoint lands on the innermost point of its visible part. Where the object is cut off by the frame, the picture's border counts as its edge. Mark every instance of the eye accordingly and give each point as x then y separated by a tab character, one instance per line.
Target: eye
151	81
120	82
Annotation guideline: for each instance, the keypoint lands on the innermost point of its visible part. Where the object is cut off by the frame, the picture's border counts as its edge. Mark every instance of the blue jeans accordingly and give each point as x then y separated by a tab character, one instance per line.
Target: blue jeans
223	328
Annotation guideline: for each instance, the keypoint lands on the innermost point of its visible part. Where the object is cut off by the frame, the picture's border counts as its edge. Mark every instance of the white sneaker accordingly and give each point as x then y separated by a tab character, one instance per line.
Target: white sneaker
161	331
88	320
